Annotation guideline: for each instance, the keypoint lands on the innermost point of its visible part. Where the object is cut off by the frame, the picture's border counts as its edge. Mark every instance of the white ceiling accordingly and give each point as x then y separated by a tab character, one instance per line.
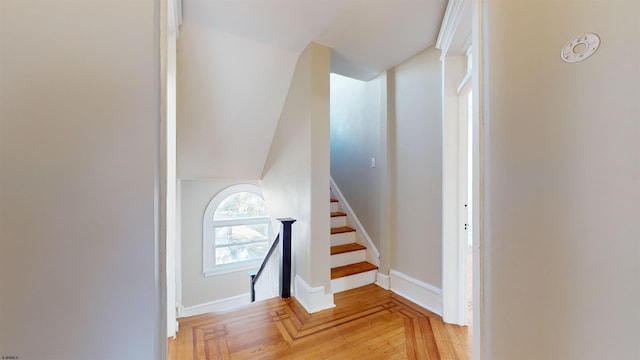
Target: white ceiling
236	59
367	36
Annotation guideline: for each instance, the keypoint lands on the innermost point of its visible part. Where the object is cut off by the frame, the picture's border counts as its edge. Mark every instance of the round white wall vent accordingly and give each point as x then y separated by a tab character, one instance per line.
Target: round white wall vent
580	48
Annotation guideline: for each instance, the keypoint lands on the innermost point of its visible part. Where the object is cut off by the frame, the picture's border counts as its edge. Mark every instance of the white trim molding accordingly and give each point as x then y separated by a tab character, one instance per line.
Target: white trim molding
421	293
175	16
455	11
213	306
383	281
455	186
455	40
375	259
313	299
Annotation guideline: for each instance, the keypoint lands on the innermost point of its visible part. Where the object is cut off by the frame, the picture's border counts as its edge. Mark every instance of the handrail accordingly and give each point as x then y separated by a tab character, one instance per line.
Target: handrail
254	277
285	260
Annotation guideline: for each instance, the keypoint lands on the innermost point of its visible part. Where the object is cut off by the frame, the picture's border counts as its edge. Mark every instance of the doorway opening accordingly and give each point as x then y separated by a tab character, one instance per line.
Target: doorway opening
458	184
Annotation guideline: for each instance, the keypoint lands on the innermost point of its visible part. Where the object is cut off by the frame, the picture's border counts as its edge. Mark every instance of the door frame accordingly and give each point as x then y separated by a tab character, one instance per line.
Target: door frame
454	40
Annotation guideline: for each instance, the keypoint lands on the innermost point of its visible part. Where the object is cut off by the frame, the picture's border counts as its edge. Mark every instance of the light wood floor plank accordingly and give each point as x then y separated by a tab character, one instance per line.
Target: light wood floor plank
184	343
446	345
172	349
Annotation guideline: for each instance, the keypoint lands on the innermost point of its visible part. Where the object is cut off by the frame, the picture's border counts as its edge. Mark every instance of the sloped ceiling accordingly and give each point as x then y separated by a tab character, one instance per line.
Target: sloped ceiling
236	58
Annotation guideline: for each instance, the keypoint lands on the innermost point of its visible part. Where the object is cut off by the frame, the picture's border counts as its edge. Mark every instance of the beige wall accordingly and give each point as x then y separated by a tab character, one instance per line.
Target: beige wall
198	289
79	149
563	168
355	139
296	174
416	167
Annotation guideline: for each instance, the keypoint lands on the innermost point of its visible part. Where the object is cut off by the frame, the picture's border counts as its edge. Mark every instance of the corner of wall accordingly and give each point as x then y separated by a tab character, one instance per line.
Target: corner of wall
295	178
313	299
421	293
382	280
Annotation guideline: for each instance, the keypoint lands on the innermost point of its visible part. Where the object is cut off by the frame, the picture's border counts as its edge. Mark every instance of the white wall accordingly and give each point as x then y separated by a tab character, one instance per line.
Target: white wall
416	167
295	179
198	289
230	94
225	124
563	168
79	155
355	139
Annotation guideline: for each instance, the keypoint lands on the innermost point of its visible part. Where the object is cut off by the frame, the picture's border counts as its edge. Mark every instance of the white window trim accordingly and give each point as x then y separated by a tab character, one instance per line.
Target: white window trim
209	267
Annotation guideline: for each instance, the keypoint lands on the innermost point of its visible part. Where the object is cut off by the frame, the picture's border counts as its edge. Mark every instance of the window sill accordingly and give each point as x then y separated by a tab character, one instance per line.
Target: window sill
231	268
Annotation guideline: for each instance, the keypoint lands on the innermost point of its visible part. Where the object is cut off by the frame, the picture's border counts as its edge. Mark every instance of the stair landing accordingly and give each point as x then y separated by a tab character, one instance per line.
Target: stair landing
361	326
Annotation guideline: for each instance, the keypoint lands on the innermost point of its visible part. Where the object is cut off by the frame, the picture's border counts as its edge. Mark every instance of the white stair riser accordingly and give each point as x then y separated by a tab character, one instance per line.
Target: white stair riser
343	238
338	221
334	206
348	258
353	281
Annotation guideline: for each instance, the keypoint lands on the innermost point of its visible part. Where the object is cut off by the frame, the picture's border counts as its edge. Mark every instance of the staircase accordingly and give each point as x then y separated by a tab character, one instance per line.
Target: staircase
349	266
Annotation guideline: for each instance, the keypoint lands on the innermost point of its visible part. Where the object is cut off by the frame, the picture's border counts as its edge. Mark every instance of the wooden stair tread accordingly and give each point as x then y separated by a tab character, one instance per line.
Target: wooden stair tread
341	249
333	200
337	214
352	269
341	229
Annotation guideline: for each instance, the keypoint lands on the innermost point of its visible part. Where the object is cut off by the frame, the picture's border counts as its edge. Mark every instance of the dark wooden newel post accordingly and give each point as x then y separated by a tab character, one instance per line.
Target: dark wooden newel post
285	263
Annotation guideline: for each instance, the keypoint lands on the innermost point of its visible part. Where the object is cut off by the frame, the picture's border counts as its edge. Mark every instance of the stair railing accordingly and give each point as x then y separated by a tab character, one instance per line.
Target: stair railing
285	261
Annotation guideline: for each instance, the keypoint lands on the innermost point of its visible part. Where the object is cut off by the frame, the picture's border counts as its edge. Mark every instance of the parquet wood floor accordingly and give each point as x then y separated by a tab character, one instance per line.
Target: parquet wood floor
367	323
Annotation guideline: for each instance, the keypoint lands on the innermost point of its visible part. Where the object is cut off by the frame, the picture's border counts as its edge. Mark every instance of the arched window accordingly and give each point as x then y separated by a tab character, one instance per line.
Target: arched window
237	230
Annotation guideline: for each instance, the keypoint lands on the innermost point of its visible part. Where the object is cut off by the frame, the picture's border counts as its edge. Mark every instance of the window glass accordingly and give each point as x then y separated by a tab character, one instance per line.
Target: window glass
237	230
240	205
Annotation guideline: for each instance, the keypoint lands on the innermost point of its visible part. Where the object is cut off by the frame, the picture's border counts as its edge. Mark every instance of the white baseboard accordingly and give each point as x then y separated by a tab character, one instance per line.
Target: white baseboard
383	281
313	299
213	306
421	293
